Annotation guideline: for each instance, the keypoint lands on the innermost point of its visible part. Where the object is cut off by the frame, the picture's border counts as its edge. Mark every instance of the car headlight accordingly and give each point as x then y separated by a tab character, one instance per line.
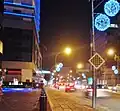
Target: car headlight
114	87
37	85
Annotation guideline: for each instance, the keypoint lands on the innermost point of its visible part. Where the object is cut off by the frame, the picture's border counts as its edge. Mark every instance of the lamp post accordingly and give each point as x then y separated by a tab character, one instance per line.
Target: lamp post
66	51
93	51
102	22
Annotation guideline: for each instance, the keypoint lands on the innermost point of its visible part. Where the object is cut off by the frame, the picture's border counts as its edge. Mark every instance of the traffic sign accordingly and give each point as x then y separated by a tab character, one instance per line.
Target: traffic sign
96	61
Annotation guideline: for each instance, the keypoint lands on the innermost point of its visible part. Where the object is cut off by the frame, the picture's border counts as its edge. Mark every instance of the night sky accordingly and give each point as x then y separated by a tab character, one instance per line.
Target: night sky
65	23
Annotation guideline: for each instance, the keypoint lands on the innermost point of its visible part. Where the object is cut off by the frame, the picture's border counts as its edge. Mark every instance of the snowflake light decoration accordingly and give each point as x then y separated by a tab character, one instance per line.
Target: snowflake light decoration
111	8
102	22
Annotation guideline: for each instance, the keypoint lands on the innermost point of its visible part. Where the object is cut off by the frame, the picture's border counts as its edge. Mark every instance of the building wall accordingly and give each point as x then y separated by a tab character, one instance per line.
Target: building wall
26	75
21	52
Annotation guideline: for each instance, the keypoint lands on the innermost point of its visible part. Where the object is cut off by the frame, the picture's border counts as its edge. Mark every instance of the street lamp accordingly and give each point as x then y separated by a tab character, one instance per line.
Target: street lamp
70	71
111	52
80	66
67	51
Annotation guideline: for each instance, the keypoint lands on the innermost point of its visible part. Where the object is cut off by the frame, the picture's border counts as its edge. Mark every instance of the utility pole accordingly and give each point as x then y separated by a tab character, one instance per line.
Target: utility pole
93	46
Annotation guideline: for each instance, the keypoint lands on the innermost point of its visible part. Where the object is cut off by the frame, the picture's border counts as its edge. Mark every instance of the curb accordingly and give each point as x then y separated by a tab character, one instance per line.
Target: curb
51	105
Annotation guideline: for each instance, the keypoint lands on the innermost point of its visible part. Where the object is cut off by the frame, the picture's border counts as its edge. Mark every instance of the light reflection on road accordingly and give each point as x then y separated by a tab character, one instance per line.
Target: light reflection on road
18	90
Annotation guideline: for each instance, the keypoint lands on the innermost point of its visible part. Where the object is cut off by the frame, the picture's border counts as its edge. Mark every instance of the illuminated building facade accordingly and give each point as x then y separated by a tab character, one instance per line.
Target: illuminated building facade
21	52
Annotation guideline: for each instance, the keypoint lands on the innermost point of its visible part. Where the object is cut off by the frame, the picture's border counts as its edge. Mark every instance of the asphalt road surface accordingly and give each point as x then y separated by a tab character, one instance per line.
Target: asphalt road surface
111	103
20	101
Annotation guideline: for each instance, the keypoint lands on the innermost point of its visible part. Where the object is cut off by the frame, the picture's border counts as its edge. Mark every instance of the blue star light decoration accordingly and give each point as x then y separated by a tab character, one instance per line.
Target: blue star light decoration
111	8
102	22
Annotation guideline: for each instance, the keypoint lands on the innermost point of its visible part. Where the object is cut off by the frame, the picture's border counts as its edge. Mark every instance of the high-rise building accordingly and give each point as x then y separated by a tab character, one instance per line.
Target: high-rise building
20	36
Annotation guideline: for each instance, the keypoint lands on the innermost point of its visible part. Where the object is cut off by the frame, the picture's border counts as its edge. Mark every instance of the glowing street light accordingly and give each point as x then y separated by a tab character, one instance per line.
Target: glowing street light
68	50
80	65
70	71
111	52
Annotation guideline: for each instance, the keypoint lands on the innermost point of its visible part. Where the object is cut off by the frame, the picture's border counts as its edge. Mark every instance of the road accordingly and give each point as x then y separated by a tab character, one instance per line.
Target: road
111	103
19	101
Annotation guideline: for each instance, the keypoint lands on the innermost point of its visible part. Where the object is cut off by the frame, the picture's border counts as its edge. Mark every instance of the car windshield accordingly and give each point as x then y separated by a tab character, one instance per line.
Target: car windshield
100	86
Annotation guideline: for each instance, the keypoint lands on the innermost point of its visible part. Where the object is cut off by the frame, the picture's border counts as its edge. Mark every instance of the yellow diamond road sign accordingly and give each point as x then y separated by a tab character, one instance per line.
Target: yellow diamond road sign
96	61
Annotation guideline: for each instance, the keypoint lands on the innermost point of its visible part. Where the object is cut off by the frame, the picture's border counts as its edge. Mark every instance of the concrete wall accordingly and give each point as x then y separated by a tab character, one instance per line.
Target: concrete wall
26	74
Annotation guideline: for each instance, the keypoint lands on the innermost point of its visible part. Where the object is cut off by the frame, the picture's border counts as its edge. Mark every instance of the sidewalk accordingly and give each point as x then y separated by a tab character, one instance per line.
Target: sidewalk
20	101
62	102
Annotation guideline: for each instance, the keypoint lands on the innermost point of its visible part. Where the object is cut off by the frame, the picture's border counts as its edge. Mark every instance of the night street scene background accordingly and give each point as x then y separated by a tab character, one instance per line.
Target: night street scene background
59	55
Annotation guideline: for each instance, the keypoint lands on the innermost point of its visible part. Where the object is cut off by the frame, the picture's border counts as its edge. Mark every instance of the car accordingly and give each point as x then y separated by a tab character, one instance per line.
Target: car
100	91
70	87
116	88
109	87
56	86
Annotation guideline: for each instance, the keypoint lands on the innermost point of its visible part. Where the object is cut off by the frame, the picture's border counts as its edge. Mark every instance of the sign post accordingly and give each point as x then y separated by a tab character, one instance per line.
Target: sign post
96	61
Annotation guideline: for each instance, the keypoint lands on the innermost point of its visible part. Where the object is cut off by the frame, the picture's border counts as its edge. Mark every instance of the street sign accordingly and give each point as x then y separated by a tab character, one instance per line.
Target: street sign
96	61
